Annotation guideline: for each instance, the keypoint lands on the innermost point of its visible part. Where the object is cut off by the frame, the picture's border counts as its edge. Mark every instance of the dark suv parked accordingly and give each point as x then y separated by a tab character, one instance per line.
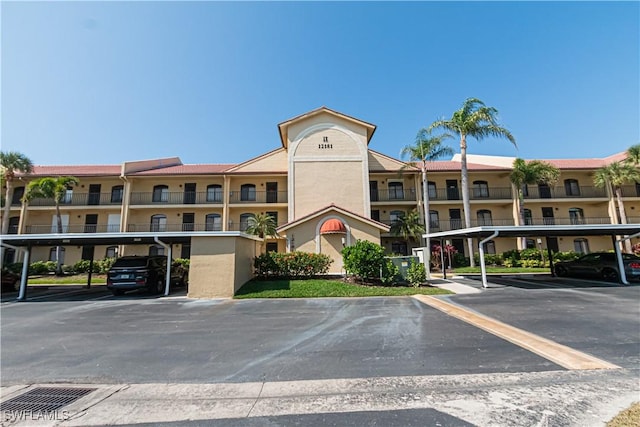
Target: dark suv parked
142	272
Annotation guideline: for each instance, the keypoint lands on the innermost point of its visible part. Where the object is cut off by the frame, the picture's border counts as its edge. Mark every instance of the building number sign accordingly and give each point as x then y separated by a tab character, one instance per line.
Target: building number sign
325	144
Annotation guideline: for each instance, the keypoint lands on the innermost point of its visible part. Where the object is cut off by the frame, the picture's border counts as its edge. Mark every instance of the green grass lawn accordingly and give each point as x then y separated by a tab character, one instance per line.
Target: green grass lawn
317	288
503	270
96	279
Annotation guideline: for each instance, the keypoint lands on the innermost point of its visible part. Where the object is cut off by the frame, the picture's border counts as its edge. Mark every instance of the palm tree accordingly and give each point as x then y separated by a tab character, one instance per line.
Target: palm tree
633	155
614	176
426	148
262	225
478	121
526	173
409	226
10	163
56	189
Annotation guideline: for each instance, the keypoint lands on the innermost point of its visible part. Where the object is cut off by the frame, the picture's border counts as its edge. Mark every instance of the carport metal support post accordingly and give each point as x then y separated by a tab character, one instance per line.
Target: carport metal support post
169	249
24	277
483	268
616	249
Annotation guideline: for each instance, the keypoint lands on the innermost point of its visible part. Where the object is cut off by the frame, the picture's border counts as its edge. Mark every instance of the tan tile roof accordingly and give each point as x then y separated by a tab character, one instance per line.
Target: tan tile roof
76	170
186	170
446	166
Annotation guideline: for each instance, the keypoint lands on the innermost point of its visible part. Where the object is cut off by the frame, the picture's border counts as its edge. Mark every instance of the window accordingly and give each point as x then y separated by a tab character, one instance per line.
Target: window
160	194
484	217
18	192
53	254
490	247
576	216
571	187
213	222
68	196
244	221
545	191
214	193
399	248
434	219
14	222
159	222
248	193
395	215
156	250
581	246
111	252
396	192
272	247
528	218
274	215
531	244
480	189
117	192
432	190
375	215
638	189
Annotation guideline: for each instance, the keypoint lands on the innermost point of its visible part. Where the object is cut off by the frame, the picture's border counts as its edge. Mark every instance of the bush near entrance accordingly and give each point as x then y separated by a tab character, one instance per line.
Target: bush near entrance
291	264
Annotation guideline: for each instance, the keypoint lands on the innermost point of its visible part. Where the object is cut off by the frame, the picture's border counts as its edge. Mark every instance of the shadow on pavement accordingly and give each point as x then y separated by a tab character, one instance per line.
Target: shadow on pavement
51	293
538	281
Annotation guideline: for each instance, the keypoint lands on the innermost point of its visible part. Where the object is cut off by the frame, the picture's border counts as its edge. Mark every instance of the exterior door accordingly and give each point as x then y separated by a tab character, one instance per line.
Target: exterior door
373	190
90	223
94	194
452	190
545	191
547	216
187	221
189	193
272	192
88	252
455	219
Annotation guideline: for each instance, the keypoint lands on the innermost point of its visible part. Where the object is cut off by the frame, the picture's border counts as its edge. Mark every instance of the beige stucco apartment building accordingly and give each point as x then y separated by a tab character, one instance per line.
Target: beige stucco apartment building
325	187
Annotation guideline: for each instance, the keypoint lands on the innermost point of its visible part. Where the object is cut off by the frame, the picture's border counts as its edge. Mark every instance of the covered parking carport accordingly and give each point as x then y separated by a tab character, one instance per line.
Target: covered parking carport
204	242
487	233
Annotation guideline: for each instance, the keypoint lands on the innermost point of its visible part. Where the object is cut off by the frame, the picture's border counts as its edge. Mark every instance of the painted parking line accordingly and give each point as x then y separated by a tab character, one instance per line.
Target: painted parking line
562	355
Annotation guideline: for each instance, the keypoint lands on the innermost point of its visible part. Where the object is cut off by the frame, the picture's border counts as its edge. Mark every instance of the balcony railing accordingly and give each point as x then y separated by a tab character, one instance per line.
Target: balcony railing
630	190
176	198
560	192
239	196
75	228
80	199
393	195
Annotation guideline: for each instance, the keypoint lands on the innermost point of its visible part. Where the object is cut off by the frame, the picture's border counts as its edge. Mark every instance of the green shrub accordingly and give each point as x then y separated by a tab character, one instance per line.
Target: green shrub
364	260
105	264
459	260
565	256
416	273
489	259
390	273
42	267
14	267
292	264
82	267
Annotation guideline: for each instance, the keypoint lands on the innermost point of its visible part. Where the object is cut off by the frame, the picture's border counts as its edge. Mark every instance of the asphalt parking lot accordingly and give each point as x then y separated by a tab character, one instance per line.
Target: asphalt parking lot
338	361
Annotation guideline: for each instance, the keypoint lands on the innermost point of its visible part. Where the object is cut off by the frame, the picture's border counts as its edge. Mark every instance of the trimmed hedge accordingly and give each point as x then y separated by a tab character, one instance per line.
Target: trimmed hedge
365	260
292	264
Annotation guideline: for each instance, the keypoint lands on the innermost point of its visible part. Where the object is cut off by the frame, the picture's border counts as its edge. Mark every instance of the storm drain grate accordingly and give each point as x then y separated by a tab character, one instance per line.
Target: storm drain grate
44	399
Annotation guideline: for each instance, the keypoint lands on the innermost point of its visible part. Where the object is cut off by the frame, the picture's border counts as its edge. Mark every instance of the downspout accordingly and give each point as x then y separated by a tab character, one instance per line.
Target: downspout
25	269
483	268
169	257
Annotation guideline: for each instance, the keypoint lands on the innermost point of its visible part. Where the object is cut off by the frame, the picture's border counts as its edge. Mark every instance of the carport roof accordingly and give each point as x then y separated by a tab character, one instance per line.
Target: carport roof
542	230
89	239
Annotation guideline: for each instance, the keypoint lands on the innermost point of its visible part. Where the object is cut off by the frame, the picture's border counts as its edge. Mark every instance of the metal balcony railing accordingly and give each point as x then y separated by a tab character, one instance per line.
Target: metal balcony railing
80	199
394	195
75	228
560	192
176	198
630	190
239	196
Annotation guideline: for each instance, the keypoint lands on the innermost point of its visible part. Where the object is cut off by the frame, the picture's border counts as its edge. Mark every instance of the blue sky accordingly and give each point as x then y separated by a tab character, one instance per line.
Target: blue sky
102	83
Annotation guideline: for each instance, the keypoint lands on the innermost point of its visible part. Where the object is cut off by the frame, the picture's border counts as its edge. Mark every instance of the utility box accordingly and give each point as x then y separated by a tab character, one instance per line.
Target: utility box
403	263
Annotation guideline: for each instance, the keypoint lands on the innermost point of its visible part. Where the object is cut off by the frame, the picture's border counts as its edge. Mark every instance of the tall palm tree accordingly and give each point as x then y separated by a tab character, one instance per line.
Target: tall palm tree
56	189
633	155
615	175
478	121
408	226
262	225
10	163
426	148
533	172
